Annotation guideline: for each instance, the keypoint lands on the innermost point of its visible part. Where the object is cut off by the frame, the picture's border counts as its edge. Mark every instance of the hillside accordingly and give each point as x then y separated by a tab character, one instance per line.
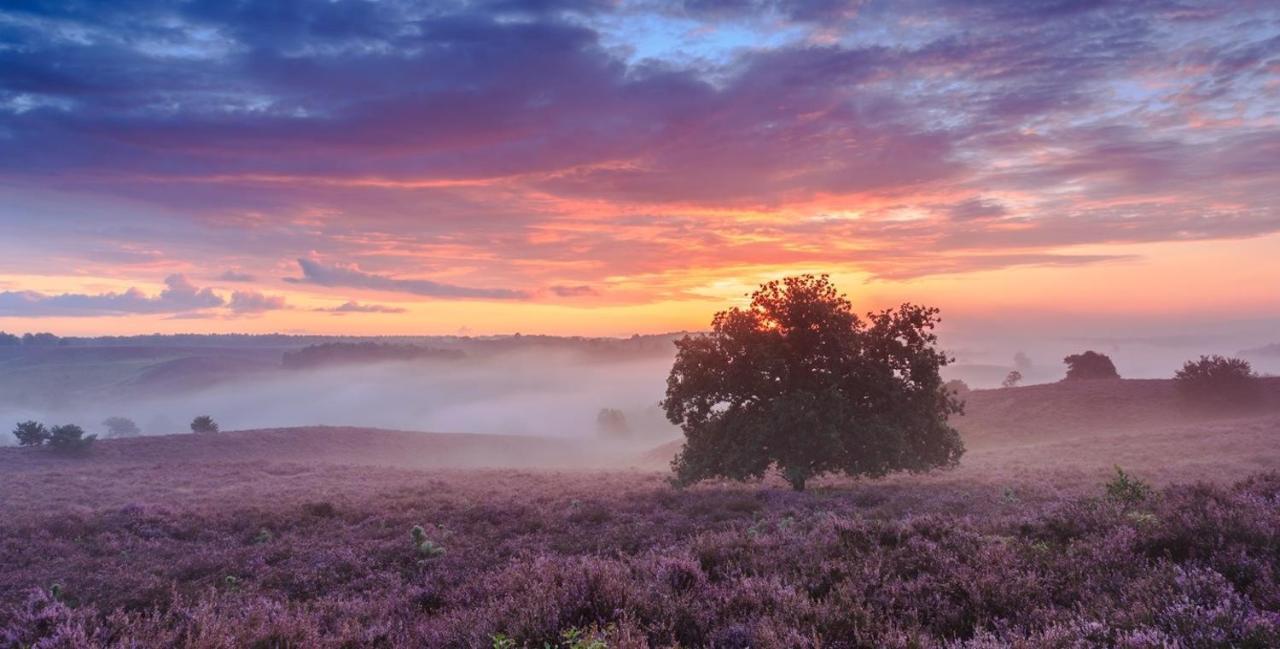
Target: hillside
1088	427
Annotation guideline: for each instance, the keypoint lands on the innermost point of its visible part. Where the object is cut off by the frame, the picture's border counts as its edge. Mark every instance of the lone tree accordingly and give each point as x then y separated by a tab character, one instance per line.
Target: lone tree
121	427
31	433
1090	365
800	383
204	424
1218	381
1012	379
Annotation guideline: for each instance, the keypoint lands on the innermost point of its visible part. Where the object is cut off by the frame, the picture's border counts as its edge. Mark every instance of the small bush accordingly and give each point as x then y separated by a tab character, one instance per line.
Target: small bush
31	433
204	424
1012	379
1127	490
69	439
121	427
1218	381
425	547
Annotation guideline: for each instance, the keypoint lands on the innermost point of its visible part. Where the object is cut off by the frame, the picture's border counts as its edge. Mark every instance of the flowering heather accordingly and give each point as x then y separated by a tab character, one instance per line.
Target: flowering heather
278	554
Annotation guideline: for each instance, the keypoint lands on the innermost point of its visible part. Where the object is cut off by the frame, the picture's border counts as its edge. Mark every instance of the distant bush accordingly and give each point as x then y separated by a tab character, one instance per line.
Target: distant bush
1012	379
1090	365
1218	381
69	439
956	388
121	427
1127	490
9	340
31	433
204	424
610	422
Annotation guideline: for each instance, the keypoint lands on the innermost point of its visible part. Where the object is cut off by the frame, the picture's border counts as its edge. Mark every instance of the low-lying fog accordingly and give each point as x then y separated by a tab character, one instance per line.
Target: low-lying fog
550	394
517	390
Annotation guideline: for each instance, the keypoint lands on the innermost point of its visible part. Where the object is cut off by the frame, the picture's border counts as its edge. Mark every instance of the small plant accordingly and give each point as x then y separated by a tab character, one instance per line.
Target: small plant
31	433
502	641
425	546
69	439
1127	490
264	535
204	424
573	638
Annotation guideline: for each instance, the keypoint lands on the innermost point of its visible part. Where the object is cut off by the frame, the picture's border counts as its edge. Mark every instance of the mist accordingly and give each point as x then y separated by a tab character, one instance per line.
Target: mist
536	393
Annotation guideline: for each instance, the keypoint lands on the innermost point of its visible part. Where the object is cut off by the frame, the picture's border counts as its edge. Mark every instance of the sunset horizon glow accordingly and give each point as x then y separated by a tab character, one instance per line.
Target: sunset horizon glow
575	167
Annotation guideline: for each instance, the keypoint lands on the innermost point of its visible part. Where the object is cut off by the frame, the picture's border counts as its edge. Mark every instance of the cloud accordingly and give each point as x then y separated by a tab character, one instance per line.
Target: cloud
573	291
314	272
519	142
254	302
235	276
180	295
352	306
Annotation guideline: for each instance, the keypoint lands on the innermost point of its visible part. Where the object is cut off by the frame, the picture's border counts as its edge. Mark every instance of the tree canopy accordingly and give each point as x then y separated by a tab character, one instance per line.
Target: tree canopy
798	382
1090	365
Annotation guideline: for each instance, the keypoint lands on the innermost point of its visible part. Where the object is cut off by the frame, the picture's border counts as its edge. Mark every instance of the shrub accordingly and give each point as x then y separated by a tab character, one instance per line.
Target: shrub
204	424
1218	381
1012	379
610	422
1127	490
1090	365
425	547
70	439
31	433
121	427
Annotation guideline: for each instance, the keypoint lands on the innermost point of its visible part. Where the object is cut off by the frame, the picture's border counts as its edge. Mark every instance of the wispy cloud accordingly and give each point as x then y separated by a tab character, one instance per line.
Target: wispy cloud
315	272
180	295
351	306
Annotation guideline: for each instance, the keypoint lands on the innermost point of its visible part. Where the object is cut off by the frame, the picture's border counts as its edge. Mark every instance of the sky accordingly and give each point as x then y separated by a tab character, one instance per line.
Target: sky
632	166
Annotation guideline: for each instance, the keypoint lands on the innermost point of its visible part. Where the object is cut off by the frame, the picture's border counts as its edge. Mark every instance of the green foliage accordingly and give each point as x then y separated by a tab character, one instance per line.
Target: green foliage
502	641
424	546
797	382
69	439
1090	365
204	424
1127	490
31	433
264	535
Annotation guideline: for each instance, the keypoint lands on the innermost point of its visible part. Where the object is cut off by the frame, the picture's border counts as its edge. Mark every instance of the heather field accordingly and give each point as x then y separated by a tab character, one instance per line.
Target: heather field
304	538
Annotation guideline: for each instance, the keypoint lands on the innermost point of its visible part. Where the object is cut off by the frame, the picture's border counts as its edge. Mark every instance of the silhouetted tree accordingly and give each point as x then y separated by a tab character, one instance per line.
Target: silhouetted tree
1090	365
610	422
121	427
31	433
69	439
9	340
1218	381
204	424
1012	379
799	383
